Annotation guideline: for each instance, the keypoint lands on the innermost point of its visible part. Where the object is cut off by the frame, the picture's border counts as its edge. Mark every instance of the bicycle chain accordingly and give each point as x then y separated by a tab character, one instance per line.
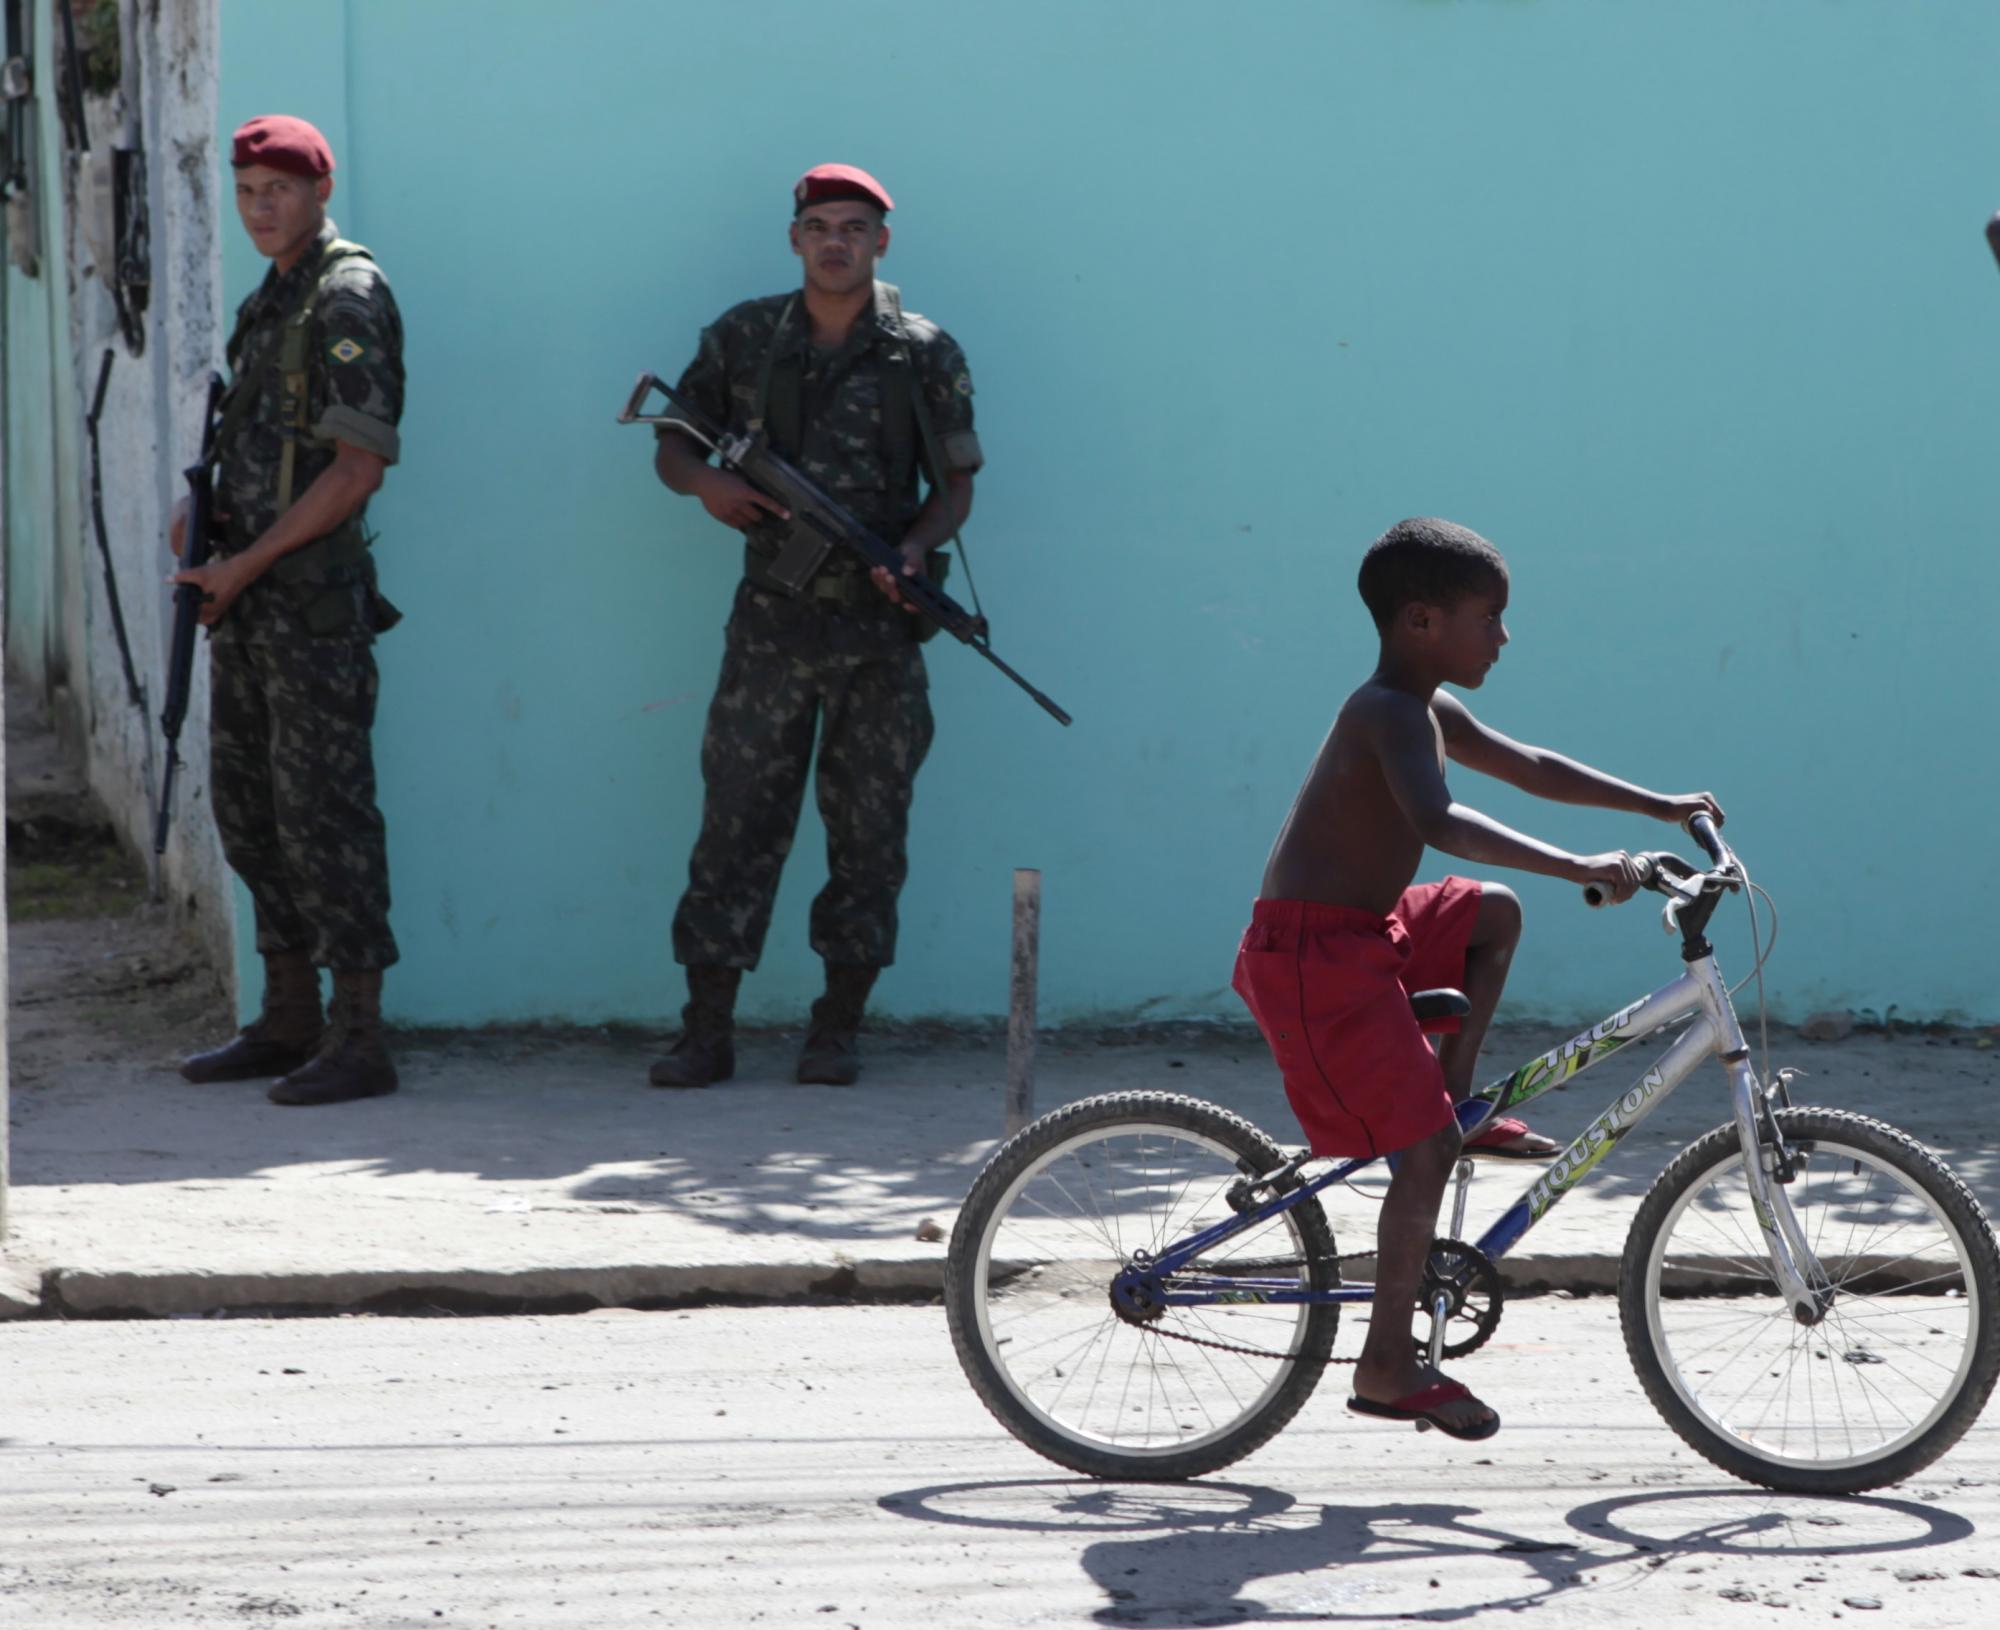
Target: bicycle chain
1260	1352
1248	1352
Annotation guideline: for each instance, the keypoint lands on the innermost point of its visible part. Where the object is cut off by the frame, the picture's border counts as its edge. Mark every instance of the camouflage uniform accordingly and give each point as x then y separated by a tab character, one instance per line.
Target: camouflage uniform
839	658
292	669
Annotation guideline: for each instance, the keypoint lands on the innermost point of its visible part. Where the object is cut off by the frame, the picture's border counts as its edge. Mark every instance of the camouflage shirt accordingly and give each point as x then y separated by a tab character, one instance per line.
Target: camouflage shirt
354	394
840	398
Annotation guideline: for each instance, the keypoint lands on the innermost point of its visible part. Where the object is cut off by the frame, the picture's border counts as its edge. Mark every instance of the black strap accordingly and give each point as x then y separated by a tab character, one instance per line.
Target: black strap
933	456
787	413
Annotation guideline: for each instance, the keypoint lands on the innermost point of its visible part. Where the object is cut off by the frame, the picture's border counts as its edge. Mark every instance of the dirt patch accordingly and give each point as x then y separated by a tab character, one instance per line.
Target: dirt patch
66	862
96	971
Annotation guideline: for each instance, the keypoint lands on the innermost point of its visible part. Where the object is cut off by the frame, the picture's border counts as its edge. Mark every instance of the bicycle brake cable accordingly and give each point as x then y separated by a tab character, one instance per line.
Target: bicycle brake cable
1760	953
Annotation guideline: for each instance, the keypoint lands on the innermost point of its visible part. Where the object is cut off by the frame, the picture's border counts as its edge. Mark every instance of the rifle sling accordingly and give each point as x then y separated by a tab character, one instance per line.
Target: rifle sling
933	458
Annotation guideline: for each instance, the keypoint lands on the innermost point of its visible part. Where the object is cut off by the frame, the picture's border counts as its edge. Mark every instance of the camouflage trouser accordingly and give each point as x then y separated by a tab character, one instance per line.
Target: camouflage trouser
292	779
874	717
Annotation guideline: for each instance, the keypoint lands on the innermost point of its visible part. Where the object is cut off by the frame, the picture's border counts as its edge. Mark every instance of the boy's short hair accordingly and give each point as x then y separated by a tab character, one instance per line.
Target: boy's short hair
1427	561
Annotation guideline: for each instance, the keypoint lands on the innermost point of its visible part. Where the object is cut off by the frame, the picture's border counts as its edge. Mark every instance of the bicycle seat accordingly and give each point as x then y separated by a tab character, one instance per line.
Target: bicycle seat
1430	1005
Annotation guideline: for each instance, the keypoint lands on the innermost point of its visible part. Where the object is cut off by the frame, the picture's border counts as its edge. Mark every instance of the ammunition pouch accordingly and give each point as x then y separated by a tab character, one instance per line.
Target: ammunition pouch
332	583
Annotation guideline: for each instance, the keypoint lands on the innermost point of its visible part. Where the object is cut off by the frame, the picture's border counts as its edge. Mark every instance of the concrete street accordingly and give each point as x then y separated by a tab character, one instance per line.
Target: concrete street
828	1466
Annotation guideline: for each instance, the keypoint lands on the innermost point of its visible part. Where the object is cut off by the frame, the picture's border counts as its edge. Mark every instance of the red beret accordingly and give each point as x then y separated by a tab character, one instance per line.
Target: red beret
280	142
827	181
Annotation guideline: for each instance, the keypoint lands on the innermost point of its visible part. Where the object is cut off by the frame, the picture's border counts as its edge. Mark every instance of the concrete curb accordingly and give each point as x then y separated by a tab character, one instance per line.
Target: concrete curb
90	1293
20	1290
114	1294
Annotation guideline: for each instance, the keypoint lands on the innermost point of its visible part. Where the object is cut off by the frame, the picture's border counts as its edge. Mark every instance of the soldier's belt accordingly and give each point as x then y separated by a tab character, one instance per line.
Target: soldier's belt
843	588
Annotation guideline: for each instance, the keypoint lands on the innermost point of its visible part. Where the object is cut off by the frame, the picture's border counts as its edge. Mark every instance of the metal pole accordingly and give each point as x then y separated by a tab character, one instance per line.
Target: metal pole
1021	999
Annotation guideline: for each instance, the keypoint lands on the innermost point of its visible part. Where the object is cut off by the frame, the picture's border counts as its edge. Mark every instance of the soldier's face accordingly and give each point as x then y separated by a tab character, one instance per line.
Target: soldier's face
839	242
281	212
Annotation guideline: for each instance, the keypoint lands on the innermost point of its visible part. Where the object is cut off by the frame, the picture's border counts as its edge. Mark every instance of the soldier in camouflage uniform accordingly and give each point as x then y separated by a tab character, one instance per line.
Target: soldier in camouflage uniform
836	374
292	610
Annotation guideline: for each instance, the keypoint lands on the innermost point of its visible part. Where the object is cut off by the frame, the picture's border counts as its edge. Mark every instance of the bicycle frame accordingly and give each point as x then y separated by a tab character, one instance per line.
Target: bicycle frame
1700	992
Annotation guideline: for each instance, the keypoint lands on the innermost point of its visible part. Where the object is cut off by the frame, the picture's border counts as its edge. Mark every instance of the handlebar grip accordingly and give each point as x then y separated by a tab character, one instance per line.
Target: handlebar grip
1702	829
1596	895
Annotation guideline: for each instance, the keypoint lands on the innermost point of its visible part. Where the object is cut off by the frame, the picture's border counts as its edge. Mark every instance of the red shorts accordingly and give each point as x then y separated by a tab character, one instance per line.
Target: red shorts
1329	987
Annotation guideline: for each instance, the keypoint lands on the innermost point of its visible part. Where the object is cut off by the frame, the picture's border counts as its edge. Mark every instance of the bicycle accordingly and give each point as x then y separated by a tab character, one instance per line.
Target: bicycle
1145	1286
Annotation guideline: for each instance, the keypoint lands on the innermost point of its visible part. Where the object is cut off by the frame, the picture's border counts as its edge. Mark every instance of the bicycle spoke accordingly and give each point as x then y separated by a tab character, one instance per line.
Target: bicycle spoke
1891	1346
1186	1373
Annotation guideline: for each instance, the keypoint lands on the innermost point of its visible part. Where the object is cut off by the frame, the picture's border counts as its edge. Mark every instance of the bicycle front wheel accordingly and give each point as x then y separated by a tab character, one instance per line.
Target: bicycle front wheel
1906	1353
1060	1210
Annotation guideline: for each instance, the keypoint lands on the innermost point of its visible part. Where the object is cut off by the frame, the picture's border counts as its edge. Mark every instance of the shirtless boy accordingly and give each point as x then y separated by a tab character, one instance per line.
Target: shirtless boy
1339	937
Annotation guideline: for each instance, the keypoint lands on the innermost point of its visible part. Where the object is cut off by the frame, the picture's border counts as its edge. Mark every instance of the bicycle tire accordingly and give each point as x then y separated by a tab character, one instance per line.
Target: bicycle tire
1905	1356
1154	1167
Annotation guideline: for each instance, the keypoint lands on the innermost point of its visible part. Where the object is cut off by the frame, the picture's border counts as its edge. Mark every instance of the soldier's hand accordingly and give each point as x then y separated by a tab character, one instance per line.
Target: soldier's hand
220	582
177	527
913	566
734	502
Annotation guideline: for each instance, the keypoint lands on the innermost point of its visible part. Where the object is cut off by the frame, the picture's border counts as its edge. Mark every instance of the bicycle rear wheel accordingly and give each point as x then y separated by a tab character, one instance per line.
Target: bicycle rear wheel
1059	1211
1891	1376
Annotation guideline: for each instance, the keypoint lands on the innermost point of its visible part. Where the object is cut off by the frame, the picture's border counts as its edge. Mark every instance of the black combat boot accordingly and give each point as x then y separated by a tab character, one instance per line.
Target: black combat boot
830	1058
706	1050
353	1060
281	1037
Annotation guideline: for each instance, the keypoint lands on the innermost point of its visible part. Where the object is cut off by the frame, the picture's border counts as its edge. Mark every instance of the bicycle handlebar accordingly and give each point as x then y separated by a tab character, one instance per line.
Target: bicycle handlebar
1653	866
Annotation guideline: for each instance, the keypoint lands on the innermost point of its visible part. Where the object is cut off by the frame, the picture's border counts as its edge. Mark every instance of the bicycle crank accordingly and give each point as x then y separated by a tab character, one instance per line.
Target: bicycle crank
1462	1293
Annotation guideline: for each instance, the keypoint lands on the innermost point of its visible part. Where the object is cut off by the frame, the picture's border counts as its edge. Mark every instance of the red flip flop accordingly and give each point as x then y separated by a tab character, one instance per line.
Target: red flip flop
1426	1408
1490	1141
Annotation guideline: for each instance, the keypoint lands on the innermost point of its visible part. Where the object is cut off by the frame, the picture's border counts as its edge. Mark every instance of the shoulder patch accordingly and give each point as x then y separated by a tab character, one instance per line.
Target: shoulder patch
347	350
963	383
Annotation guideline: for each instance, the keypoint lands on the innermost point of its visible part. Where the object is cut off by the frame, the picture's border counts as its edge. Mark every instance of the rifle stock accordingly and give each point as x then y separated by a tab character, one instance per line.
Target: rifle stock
752	458
200	477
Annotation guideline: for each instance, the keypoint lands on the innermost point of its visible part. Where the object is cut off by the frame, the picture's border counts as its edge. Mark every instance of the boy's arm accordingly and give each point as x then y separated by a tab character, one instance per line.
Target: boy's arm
1399	729
1552	776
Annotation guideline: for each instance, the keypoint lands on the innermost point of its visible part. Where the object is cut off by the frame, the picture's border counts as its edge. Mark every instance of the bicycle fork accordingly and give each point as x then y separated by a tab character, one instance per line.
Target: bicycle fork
1766	1167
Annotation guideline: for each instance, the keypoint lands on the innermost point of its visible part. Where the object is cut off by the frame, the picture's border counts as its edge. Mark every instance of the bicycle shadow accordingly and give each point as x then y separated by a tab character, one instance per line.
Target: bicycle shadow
1218	1554
1760	1522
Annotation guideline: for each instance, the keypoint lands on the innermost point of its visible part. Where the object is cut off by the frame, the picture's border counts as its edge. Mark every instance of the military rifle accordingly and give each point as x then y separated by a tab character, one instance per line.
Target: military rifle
187	604
751	457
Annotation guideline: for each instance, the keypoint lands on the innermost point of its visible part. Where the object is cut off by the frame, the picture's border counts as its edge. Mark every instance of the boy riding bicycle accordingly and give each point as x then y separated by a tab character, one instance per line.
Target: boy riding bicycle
1339	937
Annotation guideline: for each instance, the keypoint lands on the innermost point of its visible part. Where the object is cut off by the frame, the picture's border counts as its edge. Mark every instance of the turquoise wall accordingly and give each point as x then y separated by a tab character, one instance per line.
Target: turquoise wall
42	496
1685	307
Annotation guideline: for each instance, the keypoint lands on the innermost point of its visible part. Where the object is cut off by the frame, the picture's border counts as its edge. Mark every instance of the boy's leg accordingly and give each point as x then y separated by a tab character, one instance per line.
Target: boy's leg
1389	1368
1489	953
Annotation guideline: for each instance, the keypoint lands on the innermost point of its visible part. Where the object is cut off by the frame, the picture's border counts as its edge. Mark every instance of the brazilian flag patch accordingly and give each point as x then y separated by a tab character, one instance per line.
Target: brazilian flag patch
344	350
